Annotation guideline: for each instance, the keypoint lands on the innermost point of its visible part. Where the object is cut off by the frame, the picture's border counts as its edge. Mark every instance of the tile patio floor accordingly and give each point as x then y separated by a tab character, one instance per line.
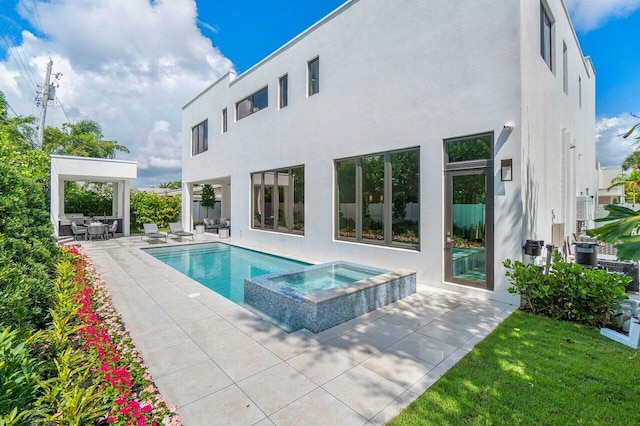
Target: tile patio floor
221	364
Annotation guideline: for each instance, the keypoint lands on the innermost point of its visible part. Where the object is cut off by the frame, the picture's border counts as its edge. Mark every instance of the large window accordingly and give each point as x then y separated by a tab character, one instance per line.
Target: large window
546	36
277	200
283	91
378	198
253	103
199	138
313	73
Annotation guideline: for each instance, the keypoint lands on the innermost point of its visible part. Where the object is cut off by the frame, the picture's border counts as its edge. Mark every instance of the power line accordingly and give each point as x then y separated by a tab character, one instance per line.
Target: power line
63	110
24	70
44	37
9	106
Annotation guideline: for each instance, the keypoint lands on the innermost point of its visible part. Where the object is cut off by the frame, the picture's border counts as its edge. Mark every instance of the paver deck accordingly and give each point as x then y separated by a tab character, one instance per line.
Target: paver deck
221	364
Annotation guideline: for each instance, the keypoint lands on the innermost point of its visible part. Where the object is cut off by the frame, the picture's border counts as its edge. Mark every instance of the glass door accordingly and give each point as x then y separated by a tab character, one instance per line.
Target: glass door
468	235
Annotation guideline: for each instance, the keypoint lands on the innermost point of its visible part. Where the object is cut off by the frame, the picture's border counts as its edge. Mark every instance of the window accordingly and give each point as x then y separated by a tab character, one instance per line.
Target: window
313	71
199	138
580	92
546	36
565	69
277	200
283	91
224	120
253	103
378	198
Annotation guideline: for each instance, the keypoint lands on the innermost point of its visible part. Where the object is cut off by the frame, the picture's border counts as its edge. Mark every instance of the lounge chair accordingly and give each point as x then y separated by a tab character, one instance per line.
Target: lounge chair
176	229
78	230
151	232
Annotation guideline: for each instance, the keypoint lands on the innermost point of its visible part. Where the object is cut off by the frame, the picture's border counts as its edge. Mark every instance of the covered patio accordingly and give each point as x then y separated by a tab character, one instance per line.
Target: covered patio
118	172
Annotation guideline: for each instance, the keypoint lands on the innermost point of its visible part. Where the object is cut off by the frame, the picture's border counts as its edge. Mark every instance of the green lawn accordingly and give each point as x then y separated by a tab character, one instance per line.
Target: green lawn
538	371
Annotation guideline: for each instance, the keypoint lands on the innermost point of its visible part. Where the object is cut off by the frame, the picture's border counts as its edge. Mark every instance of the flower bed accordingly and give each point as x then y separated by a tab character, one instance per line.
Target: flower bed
119	371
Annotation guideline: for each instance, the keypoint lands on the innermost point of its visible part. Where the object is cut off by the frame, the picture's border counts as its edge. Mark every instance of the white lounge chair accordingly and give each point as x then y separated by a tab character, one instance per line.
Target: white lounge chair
176	229
151	232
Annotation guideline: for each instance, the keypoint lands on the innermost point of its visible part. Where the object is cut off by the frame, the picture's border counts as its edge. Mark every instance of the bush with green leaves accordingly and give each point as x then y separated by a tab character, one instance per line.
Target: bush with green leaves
19	376
149	207
568	292
27	249
91	199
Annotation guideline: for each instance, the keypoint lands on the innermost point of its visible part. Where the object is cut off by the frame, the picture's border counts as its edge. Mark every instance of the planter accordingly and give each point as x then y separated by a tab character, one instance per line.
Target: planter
632	339
199	229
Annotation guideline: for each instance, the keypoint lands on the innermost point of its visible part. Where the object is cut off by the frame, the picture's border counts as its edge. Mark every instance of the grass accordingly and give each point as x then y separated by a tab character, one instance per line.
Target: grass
533	370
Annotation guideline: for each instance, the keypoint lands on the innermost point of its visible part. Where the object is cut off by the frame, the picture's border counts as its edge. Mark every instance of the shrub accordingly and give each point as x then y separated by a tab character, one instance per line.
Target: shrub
18	376
568	292
148	207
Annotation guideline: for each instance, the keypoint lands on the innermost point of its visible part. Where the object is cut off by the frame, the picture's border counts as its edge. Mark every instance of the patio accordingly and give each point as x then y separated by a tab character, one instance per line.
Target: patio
221	364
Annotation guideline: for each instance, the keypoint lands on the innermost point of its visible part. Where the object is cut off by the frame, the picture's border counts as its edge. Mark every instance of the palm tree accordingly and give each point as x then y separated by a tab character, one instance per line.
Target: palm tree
631	184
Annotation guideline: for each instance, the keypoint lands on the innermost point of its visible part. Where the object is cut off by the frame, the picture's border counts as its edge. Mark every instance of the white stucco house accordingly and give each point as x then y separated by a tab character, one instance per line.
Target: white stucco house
428	135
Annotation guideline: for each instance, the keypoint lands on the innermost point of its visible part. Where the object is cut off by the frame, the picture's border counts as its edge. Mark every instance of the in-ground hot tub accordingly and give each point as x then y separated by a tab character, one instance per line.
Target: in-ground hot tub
322	296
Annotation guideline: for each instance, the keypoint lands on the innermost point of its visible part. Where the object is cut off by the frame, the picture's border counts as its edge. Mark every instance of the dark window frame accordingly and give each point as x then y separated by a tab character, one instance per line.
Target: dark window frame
200	138
270	221
224	117
387	200
313	76
283	91
251	99
546	43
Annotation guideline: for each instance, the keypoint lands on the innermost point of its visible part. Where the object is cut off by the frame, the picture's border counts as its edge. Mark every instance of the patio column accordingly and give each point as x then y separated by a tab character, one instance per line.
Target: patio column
116	202
187	206
126	208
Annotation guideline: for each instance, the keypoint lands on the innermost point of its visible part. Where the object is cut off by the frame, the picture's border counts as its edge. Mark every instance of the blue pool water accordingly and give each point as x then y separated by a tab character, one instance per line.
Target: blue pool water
221	267
325	277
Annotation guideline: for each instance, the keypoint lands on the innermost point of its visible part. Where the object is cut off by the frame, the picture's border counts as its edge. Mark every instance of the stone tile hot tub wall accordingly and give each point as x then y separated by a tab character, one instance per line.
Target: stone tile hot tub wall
325	309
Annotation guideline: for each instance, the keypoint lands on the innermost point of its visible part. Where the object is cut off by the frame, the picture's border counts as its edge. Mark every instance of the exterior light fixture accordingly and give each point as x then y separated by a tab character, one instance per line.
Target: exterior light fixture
506	170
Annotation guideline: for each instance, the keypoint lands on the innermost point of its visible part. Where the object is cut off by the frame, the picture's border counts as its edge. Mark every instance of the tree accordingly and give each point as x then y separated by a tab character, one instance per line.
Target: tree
174	184
208	197
632	161
83	139
630	183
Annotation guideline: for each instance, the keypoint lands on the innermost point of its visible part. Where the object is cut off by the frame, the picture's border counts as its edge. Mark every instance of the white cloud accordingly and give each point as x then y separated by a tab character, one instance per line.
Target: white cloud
611	147
588	15
129	65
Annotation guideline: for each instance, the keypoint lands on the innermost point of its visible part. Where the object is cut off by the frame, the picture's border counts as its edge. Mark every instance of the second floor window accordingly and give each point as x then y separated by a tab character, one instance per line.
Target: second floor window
546	36
199	138
224	120
283	84
314	76
253	103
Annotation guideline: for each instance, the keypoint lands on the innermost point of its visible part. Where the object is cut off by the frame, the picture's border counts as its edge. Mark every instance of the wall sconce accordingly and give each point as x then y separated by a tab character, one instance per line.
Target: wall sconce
506	169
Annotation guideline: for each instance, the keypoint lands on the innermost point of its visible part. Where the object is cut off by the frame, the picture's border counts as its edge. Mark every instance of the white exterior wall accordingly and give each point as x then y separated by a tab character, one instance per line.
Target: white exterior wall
558	137
393	75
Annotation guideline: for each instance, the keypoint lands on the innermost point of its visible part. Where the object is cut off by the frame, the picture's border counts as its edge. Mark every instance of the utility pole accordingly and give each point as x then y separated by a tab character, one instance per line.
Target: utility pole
45	100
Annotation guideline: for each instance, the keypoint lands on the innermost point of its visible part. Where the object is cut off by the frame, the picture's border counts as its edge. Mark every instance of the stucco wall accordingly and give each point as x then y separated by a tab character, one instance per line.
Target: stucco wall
393	74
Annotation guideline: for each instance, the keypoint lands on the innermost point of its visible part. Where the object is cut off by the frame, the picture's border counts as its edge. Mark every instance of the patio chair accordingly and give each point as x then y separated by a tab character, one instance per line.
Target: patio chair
176	229
112	229
152	233
78	230
210	223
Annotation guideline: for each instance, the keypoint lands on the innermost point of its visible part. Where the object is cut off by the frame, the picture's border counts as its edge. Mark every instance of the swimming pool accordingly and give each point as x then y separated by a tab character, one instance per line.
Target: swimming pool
222	267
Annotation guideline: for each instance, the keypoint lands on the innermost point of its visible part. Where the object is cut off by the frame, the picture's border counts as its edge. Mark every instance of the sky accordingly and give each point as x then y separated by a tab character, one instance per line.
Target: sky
130	65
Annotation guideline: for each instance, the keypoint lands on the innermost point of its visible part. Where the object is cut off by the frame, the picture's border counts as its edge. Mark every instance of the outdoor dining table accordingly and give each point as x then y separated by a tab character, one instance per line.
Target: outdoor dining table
97	229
